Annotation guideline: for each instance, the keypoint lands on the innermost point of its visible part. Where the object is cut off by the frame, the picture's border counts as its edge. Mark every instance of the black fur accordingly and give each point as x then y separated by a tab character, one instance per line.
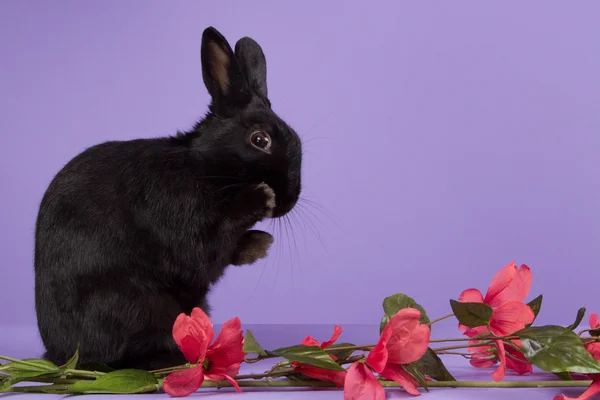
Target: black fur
130	234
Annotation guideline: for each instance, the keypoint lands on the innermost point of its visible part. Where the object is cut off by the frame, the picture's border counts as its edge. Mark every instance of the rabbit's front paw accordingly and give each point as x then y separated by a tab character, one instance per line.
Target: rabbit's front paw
269	199
252	246
253	204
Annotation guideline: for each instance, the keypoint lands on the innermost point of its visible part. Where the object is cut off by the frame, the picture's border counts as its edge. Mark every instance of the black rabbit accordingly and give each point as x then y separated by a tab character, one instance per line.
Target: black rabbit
131	233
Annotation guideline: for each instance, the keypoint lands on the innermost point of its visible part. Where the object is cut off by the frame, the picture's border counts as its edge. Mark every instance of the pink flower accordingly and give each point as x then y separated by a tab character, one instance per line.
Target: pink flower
220	360
336	377
505	295
590	392
522	366
361	384
483	357
594	323
594	349
404	340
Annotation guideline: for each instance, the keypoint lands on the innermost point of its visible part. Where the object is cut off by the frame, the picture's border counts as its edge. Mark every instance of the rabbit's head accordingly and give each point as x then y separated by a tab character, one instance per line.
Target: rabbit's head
242	135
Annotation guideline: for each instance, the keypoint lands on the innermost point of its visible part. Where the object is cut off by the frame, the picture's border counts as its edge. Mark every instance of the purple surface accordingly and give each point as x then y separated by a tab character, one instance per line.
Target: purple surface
446	139
24	343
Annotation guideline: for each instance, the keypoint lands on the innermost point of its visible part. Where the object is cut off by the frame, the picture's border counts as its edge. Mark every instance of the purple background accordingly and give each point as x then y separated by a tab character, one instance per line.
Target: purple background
445	139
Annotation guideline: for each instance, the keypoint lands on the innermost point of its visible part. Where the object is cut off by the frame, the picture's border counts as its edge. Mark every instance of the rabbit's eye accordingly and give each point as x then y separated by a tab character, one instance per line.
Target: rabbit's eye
261	140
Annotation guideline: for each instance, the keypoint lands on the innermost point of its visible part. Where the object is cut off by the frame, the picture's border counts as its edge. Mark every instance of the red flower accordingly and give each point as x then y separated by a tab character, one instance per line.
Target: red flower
594	349
336	377
361	384
590	392
483	356
403	341
220	360
505	295
594	323
522	366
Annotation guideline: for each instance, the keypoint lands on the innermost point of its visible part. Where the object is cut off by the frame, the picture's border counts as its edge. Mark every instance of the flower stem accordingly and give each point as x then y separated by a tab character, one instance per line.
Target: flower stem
164	371
266	374
454	353
441	384
450	340
366	347
463	346
441	319
77	373
516	359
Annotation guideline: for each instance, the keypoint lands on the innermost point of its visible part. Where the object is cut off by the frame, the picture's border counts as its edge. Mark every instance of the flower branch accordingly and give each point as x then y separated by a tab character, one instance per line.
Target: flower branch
498	332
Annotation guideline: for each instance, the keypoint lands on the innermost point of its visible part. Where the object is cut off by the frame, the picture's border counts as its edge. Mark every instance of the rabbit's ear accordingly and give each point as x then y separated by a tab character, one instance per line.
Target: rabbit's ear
222	74
253	63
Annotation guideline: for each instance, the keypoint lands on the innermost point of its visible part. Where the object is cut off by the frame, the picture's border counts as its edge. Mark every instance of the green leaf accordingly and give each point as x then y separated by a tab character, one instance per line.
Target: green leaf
578	319
413	369
8	381
121	381
299	377
309	355
251	346
536	306
55	389
565	376
340	354
471	314
397	302
72	363
556	349
433	367
28	365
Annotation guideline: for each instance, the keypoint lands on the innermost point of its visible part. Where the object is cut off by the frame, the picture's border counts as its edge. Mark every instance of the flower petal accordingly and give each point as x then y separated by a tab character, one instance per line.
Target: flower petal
520	367
510	284
498	374
409	339
594	349
310	341
480	355
224	377
378	356
594	323
184	326
197	326
204	322
336	377
180	328
361	384
226	353
397	374
184	383
510	317
501	280
591	391
337	331
482	363
472	332
194	348
471	296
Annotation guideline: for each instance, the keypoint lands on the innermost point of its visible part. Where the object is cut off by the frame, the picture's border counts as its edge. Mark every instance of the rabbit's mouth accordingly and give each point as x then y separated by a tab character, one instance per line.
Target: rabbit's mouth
281	211
286	199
